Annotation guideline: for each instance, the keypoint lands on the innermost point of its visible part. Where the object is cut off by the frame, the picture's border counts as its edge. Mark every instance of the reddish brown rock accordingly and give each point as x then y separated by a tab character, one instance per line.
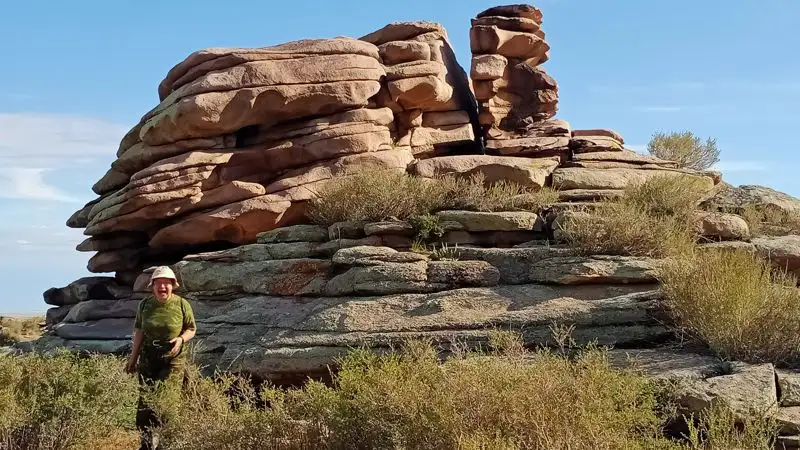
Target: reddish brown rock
524	171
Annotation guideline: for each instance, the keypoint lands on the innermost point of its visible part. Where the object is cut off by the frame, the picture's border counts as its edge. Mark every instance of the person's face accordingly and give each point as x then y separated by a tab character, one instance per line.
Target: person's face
162	289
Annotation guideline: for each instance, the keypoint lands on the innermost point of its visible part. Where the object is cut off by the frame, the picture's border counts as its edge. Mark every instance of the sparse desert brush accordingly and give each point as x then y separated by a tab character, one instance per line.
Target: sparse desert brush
409	399
378	194
651	219
686	149
735	302
770	221
65	401
13	330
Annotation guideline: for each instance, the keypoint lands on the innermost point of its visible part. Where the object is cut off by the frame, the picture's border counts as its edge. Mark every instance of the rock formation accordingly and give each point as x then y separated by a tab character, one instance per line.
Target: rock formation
214	181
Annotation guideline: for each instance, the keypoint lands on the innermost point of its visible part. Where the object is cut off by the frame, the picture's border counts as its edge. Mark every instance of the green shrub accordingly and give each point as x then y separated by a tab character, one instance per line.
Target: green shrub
651	219
684	148
736	303
377	195
65	402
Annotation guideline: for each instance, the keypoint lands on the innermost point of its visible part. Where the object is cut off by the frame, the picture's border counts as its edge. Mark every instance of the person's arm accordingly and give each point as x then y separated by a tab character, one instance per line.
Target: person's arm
136	348
189	329
138	338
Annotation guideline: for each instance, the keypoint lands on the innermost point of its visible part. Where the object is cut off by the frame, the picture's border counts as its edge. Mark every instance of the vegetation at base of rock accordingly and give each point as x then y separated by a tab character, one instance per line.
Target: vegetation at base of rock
506	397
770	221
684	148
651	219
426	227
13	330
736	303
372	196
65	401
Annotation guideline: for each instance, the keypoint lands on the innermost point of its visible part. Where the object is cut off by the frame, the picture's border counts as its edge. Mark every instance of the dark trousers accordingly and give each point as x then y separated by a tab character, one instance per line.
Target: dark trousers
154	368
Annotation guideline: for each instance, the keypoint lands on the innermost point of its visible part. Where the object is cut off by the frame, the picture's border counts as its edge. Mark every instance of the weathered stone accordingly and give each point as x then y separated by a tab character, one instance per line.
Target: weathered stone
389	227
720	226
296	233
530	172
84	289
749	390
371	256
346	230
105	329
782	251
729	246
666	364
789	387
579	178
271	277
494	221
596	269
463	273
382	279
736	199
788	420
56	315
524	11
114	260
101	309
581	195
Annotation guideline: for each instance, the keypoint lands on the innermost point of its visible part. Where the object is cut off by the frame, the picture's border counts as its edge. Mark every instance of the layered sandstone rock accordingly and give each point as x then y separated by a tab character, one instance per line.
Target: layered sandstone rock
425	87
243	138
516	97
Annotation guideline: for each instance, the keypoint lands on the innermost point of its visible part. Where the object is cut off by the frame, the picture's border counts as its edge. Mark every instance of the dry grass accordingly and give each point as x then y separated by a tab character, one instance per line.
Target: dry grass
651	219
377	195
65	402
510	398
736	303
13	330
770	221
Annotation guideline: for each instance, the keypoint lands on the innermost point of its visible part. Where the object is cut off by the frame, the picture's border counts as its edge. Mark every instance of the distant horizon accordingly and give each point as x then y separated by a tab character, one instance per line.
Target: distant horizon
86	73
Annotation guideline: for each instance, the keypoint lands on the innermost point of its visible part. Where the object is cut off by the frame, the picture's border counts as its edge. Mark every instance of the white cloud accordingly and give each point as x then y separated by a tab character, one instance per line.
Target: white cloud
32	140
741	166
28	183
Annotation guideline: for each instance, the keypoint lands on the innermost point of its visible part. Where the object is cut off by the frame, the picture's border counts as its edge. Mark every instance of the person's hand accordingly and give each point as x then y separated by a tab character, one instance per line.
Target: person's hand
177	343
131	366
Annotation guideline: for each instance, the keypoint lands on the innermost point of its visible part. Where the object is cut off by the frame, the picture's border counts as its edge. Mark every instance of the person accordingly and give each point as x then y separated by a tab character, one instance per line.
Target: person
164	324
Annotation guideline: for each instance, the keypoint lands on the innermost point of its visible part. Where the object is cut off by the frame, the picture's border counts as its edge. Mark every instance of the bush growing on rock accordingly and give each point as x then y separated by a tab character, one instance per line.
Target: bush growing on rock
684	148
651	219
736	303
373	196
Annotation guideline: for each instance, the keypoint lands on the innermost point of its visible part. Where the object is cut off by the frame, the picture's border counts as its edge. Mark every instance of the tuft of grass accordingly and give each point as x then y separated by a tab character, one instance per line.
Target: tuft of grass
376	195
718	428
13	330
770	221
65	402
735	302
651	219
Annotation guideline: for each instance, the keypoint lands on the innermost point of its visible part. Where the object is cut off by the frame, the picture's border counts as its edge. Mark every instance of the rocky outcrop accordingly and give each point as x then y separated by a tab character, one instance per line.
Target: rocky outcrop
215	179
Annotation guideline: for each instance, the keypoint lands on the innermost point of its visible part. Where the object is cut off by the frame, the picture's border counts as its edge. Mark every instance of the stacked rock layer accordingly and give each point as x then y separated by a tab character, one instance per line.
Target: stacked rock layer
243	138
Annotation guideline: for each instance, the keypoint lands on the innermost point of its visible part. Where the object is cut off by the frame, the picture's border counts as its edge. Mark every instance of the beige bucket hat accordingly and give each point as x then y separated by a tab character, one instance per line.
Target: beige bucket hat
163	272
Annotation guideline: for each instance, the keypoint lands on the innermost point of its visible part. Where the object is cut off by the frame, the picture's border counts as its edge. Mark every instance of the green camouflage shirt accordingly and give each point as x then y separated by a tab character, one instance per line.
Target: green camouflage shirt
164	321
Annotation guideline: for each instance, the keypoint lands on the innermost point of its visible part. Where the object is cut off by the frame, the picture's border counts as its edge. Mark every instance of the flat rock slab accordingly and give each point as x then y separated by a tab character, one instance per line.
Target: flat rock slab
296	233
494	221
105	329
667	364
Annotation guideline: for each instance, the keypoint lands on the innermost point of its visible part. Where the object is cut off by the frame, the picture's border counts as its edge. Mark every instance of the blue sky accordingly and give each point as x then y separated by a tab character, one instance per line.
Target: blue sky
77	75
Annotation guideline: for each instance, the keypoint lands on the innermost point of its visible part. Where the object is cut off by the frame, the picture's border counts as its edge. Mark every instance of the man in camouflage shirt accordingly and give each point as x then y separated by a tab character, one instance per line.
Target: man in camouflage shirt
164	322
